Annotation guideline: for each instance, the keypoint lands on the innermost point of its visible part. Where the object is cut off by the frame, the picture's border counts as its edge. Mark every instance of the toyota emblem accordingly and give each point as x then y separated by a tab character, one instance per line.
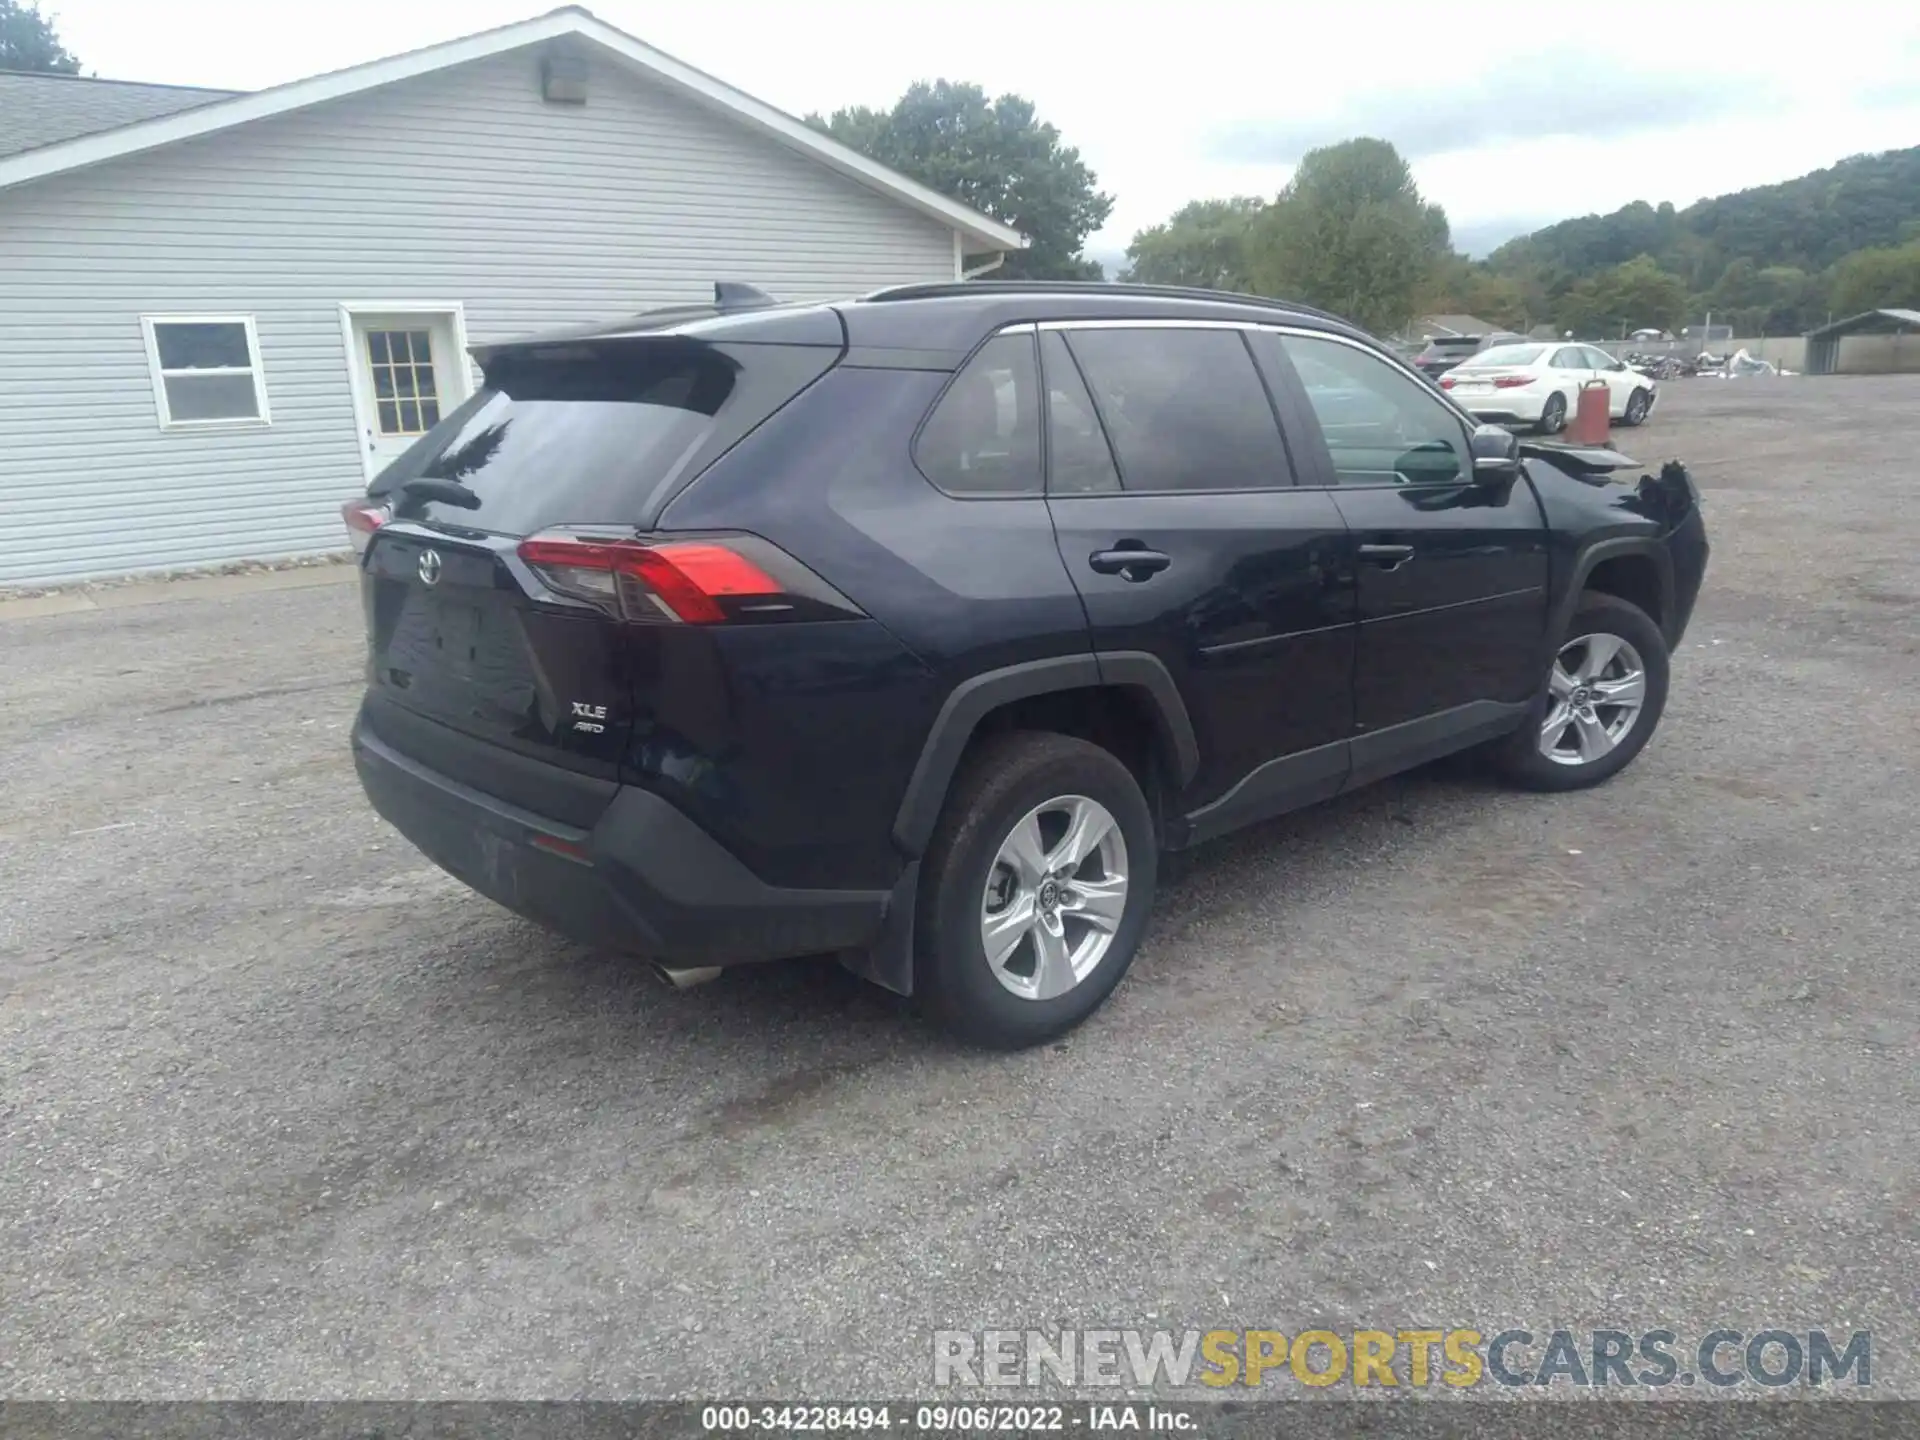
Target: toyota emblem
430	567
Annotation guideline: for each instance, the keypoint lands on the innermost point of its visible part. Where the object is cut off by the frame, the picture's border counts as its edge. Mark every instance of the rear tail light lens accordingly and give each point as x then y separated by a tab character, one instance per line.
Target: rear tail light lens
363	517
705	580
1446	382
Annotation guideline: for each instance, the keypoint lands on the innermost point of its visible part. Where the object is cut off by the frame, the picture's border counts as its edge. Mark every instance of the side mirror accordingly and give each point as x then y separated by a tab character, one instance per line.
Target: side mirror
1496	455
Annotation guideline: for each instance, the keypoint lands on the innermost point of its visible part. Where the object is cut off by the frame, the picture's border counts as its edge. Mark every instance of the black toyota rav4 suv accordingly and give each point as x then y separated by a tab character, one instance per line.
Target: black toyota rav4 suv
917	628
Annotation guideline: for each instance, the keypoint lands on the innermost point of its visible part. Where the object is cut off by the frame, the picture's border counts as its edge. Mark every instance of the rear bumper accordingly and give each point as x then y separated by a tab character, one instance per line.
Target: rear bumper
1508	409
644	878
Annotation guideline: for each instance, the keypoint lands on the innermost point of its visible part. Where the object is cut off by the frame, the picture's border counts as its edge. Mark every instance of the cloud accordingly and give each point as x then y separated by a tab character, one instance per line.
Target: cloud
1559	92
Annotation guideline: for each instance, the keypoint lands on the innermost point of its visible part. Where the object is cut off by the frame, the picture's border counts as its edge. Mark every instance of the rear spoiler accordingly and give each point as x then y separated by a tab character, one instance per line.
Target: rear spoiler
731	299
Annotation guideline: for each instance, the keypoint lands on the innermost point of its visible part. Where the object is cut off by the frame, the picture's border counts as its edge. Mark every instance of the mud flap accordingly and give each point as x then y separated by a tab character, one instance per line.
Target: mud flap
888	962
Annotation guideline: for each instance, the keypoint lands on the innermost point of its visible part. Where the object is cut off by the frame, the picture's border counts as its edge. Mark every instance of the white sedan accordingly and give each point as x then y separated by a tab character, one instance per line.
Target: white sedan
1539	385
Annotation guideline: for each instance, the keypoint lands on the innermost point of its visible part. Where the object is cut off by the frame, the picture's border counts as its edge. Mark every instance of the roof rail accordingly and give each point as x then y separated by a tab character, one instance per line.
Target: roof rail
946	288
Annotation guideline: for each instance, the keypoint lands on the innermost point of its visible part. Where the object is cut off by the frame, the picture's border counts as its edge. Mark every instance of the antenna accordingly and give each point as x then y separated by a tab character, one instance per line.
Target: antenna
735	295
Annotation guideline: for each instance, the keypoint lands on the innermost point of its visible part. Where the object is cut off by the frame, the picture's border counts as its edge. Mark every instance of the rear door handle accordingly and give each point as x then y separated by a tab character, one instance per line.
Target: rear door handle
1135	565
1387	557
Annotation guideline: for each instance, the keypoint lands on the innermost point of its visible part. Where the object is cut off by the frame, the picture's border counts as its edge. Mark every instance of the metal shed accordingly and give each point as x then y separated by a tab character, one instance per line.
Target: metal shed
1823	345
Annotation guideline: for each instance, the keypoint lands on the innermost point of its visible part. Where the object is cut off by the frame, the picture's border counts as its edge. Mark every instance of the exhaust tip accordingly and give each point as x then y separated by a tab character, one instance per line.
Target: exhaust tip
688	976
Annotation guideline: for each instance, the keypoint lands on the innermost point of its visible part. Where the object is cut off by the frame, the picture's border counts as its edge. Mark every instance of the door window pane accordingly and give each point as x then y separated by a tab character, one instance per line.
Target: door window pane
402	366
1079	461
1382	427
1184	409
1568	357
983	438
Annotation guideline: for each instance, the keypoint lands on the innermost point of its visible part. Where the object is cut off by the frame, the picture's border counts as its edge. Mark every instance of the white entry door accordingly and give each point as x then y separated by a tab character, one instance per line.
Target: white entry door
409	371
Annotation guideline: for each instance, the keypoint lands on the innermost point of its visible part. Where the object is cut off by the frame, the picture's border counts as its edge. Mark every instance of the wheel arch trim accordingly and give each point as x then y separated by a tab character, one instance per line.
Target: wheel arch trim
978	696
1617	547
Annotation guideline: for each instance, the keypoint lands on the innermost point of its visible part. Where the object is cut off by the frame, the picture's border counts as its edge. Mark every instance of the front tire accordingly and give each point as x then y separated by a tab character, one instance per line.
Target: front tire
1638	404
1604	694
1553	415
1035	891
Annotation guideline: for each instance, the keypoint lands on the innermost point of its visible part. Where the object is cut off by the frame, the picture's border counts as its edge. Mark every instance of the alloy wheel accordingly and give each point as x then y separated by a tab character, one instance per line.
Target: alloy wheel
1596	692
1054	897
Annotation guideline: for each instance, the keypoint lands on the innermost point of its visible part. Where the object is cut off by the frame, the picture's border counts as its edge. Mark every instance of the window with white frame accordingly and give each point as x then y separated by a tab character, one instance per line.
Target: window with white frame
206	369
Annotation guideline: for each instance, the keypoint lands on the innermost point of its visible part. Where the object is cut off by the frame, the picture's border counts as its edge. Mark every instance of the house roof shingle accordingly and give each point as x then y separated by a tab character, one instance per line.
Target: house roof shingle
38	109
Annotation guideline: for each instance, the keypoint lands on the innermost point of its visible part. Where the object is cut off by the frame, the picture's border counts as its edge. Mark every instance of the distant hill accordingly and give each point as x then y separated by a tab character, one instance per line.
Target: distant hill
1809	224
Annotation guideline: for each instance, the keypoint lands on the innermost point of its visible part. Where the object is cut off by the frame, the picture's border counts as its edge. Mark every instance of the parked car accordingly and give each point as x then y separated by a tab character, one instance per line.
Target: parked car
1539	385
1442	352
918	628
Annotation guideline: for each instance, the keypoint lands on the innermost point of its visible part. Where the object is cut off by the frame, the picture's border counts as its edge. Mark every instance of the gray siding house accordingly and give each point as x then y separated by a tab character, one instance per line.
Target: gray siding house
220	314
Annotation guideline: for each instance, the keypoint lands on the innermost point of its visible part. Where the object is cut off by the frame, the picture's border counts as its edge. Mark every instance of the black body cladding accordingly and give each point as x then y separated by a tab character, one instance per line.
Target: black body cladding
830	547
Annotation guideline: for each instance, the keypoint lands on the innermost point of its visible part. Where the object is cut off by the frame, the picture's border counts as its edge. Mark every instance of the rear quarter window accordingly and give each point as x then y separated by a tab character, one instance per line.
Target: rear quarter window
983	437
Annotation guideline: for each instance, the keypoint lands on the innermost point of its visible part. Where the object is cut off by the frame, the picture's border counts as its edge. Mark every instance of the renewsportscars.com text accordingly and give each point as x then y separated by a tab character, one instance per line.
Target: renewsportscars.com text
1415	1359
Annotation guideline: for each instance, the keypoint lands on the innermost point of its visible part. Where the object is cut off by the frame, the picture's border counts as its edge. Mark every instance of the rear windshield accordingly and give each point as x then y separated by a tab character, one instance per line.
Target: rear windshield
1508	355
595	434
1453	342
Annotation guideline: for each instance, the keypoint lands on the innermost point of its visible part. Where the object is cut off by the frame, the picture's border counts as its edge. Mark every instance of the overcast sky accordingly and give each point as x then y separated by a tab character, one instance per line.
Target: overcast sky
1511	115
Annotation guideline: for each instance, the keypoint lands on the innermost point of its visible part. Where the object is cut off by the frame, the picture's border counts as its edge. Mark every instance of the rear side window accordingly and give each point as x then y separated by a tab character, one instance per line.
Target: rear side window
1078	459
1185	409
983	438
596	434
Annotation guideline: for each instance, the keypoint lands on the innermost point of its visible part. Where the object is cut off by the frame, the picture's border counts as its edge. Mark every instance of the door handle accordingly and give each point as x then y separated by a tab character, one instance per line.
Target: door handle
1387	557
1135	565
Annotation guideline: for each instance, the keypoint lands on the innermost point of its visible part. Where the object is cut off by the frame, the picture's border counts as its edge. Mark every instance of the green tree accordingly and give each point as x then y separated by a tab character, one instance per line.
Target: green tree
1633	296
996	156
1352	234
1765	300
1204	243
1807	224
28	41
1871	279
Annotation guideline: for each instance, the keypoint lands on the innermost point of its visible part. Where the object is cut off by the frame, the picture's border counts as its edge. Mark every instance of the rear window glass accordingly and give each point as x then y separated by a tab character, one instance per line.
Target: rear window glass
1509	355
582	439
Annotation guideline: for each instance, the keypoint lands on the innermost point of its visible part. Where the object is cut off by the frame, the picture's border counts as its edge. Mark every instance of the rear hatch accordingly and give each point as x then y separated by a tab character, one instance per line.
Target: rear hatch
1441	356
508	578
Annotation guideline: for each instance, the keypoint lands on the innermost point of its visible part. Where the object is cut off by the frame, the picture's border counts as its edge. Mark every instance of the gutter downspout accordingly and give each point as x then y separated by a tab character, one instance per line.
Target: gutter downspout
991	265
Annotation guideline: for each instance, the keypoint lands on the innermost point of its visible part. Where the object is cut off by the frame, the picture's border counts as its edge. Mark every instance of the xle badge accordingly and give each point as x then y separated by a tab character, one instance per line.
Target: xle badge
588	718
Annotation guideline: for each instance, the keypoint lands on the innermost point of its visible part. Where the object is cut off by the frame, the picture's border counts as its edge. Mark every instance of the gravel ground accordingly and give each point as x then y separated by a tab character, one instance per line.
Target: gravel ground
285	1113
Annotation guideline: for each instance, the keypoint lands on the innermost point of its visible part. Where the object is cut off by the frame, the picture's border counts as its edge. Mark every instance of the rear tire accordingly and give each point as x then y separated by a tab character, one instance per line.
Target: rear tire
1553	415
1012	835
1578	731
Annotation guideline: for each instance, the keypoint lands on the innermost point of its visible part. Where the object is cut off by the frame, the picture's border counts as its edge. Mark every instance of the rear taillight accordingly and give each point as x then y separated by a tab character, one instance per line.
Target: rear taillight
1446	382
1511	382
705	580
363	517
